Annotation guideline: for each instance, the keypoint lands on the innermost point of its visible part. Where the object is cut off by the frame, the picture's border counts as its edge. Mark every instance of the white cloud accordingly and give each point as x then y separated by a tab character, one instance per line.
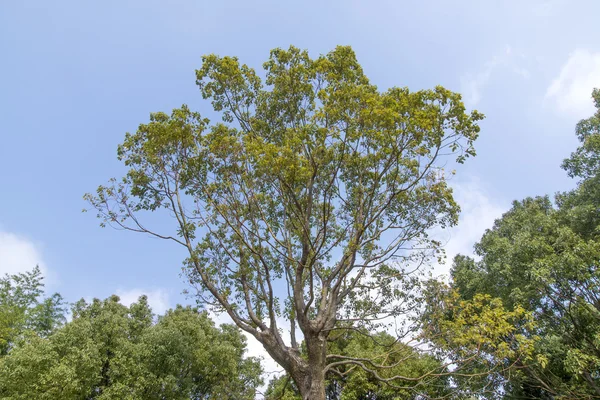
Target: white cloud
478	213
473	84
571	90
19	254
270	367
255	349
158	299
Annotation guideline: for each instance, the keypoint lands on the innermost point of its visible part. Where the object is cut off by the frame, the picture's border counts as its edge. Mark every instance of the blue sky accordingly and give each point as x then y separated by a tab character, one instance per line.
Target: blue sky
76	75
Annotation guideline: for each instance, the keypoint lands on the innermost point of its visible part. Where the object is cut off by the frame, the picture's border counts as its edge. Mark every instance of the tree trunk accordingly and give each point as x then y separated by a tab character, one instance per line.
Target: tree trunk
311	384
311	381
316	391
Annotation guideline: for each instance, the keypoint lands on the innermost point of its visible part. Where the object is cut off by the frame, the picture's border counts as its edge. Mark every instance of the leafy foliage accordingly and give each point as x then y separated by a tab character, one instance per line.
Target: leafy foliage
109	351
387	357
315	181
481	340
23	308
543	257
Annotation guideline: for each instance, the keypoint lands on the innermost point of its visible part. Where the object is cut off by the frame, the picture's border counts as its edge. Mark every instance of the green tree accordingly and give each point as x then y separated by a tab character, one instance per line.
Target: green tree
109	351
24	308
311	201
544	257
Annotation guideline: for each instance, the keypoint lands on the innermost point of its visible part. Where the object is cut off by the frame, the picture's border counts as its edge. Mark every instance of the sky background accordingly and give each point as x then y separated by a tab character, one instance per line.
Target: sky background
76	75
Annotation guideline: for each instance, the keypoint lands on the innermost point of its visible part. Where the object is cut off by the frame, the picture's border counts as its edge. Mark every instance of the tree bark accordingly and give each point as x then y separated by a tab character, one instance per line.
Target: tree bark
315	391
311	380
311	383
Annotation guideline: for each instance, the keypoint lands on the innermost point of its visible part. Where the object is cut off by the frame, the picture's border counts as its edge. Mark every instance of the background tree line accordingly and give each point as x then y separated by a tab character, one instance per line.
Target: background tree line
109	351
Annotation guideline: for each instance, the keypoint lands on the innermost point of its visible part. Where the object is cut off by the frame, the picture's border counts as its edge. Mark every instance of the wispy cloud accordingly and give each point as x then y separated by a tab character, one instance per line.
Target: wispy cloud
570	92
473	83
255	349
158	299
479	210
546	8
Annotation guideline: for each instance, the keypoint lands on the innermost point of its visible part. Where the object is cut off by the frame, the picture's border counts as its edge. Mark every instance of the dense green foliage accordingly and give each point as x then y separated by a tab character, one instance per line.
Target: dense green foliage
110	351
543	257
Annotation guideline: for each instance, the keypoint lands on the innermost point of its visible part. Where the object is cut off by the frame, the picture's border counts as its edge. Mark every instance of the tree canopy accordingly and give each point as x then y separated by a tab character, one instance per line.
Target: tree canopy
310	202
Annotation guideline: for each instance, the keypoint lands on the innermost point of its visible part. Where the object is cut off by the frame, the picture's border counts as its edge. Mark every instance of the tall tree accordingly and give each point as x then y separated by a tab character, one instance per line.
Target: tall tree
109	351
544	257
310	202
